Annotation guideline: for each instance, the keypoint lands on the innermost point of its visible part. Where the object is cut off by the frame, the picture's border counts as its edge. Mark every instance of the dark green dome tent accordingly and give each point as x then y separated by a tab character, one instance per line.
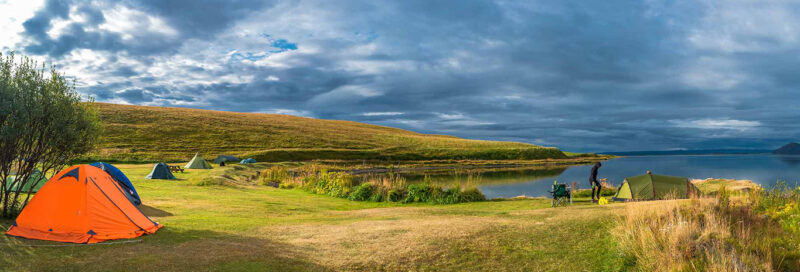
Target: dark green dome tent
226	158
198	163
35	181
652	187
160	171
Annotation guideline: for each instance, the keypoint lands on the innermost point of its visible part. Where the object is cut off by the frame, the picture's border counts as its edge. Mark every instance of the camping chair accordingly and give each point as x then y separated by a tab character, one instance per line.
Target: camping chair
561	195
175	168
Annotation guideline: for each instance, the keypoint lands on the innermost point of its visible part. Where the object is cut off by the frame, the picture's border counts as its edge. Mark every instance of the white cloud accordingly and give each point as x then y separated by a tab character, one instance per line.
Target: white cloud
731	124
345	94
12	14
132	23
450	116
387	113
290	112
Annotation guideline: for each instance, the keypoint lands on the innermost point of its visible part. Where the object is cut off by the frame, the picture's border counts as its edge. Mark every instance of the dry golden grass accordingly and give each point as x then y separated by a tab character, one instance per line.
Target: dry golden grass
693	235
400	239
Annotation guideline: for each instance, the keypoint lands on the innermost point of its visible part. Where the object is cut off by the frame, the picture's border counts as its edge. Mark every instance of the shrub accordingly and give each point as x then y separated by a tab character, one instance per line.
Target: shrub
472	195
362	192
782	204
418	193
336	184
391	187
377	197
42	121
605	191
435	194
396	195
451	196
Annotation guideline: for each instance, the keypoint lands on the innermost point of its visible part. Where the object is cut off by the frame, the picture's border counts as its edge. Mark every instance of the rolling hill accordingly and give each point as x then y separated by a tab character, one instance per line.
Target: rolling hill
145	134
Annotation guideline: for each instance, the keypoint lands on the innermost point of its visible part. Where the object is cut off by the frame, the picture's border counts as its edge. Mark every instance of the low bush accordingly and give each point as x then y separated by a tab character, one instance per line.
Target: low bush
438	195
782	204
396	195
362	192
605	191
335	184
418	193
389	187
472	195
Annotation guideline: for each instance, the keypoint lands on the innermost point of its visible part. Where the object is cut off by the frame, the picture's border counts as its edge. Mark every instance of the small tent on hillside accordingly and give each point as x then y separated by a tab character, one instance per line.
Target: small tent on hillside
225	158
122	181
198	163
247	161
650	187
82	204
160	171
35	181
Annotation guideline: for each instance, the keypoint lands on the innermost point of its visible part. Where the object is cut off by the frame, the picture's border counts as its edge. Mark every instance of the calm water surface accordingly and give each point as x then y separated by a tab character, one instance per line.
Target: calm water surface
764	169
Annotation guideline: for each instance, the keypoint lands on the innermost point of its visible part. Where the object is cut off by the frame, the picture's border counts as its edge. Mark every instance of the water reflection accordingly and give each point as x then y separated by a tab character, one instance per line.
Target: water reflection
484	177
789	159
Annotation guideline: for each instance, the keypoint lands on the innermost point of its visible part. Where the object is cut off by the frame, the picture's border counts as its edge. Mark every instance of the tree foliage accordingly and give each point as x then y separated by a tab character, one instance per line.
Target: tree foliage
43	124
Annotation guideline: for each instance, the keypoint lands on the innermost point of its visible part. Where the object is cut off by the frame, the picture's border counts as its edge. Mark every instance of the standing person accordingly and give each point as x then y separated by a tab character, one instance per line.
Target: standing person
595	184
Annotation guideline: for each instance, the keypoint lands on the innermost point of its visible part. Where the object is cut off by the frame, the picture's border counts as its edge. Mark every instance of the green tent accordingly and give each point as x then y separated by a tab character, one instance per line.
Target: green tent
35	181
651	187
198	163
225	158
160	171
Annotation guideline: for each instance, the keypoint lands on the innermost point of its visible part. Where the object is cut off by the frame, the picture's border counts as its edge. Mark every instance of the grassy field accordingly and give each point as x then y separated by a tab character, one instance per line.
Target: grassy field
244	227
140	133
224	228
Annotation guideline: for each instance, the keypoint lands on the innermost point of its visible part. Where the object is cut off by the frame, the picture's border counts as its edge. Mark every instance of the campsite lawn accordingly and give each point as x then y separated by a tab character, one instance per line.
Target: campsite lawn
222	228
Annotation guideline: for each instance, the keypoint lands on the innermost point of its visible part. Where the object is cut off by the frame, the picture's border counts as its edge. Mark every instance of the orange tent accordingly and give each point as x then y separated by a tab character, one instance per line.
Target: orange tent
81	204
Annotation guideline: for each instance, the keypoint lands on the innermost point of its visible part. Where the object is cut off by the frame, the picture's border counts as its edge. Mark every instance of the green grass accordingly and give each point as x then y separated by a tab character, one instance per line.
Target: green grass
148	134
240	228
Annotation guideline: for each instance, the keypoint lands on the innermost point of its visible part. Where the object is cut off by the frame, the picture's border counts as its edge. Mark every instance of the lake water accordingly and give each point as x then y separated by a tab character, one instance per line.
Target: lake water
764	169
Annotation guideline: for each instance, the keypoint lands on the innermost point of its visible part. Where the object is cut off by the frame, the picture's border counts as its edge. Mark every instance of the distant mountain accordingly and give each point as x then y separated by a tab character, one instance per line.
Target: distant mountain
789	149
689	152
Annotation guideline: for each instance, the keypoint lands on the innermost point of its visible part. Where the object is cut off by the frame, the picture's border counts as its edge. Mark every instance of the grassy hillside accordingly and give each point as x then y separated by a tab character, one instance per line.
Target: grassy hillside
140	133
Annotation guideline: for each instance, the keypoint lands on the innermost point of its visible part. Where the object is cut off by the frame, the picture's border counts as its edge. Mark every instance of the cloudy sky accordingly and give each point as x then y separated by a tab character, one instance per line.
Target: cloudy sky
579	75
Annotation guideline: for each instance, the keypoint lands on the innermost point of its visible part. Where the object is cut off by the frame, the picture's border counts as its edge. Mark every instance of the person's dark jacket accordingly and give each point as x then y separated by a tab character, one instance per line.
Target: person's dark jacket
593	176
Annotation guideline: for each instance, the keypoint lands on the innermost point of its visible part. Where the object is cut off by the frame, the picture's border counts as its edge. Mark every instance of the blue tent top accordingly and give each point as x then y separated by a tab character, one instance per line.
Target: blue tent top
124	182
248	160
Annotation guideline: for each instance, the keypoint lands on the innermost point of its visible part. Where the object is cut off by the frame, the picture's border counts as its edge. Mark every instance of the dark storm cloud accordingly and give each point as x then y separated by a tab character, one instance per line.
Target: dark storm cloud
135	96
201	18
580	75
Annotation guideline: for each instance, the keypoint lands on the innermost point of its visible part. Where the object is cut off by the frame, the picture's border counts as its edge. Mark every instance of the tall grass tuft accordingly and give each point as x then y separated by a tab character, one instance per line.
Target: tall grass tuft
707	234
